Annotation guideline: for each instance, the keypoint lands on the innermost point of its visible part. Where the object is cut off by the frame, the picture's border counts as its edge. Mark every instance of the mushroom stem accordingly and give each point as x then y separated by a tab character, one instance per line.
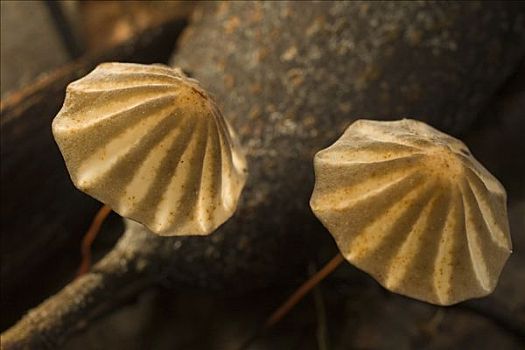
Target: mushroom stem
300	292
121	273
296	297
89	238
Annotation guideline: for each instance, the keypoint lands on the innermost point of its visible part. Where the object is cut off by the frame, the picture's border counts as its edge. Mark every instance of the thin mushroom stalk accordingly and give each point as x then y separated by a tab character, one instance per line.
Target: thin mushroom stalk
413	208
152	145
90	237
304	289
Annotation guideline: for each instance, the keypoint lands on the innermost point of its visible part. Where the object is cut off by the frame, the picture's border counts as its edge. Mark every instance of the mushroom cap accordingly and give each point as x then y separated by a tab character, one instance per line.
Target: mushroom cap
150	143
411	206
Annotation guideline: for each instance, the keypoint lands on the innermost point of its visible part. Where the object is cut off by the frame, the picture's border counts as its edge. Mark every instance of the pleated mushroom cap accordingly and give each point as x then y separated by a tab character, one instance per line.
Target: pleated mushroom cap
150	143
411	206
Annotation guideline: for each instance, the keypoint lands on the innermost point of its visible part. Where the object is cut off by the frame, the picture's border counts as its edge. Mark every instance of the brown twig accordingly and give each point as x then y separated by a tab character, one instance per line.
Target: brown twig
89	238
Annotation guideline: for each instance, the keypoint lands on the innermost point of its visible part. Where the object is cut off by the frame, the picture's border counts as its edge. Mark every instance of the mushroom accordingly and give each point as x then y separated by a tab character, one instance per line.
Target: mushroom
413	208
150	143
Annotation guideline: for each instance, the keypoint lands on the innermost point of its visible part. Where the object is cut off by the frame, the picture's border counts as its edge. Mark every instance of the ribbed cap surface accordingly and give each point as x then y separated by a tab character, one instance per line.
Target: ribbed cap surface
150	143
411	206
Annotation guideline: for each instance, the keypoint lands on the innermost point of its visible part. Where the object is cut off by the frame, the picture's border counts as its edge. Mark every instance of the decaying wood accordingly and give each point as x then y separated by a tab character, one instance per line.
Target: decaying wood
291	78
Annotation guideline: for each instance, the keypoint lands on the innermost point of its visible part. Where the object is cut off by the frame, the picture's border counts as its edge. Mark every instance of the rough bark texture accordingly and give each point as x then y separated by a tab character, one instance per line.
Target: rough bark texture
331	62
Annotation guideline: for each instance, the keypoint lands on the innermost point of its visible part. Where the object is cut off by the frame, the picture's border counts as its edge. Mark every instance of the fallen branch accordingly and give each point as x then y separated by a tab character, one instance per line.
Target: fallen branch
123	271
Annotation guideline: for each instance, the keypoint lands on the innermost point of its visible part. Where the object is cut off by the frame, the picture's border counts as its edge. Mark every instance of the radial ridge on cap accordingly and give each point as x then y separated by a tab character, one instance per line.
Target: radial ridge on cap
152	144
412	207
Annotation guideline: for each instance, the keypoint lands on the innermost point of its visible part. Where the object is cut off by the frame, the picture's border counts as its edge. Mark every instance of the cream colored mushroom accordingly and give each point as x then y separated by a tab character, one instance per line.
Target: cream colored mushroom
150	143
412	207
